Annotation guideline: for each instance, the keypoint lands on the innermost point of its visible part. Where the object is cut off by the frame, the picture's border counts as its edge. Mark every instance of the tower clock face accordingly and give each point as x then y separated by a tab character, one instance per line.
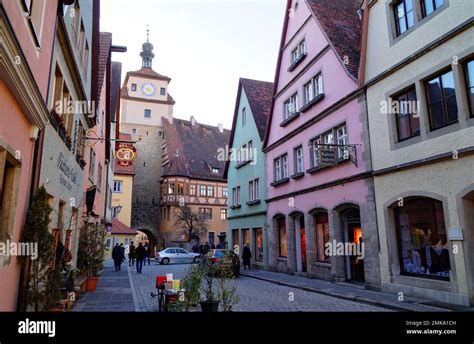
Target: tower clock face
148	89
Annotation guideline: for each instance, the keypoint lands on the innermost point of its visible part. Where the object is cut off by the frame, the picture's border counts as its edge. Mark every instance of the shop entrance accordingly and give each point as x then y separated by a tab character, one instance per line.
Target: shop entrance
355	249
468	207
300	236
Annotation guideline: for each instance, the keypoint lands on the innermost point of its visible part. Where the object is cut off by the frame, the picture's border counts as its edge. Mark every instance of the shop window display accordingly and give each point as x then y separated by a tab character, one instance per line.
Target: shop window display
322	233
422	240
259	244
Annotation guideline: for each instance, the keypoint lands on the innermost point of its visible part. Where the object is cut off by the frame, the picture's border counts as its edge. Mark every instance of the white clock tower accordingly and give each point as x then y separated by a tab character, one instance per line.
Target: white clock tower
145	101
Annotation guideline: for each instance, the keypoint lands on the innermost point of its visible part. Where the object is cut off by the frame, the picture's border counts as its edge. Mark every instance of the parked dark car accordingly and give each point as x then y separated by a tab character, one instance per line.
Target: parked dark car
224	256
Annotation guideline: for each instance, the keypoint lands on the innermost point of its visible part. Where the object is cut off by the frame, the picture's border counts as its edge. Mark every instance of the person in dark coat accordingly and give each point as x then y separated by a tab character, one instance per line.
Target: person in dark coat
206	248
246	255
147	253
131	255
123	252
117	256
140	254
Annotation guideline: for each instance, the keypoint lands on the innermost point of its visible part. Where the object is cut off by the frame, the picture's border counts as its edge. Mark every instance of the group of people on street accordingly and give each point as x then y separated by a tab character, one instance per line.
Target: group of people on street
140	255
137	255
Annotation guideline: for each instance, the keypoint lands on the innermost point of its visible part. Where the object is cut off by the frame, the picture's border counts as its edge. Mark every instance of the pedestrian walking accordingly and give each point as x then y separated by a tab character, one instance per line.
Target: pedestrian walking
206	248
131	255
246	255
147	253
123	252
117	255
140	256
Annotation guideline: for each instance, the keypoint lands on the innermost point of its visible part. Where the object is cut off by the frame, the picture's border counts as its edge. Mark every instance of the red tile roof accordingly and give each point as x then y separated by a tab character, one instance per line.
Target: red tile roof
105	41
121	228
259	94
193	149
343	28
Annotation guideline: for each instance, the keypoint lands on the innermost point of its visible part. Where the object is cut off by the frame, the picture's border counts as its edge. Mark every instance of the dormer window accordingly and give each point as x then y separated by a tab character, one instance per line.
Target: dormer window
215	170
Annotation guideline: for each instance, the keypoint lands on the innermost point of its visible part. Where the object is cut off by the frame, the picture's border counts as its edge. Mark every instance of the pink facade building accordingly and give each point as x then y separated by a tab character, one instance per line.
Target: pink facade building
321	209
26	45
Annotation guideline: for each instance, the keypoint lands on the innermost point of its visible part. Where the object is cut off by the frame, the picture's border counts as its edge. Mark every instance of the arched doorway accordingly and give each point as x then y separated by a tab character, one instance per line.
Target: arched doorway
468	208
146	236
300	241
352	235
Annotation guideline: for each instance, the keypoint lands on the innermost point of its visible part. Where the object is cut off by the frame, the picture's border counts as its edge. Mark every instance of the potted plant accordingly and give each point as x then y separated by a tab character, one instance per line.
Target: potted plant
91	252
192	285
227	290
211	301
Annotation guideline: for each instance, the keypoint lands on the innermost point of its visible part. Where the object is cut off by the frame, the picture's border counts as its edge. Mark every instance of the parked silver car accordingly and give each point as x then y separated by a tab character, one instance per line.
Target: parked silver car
176	255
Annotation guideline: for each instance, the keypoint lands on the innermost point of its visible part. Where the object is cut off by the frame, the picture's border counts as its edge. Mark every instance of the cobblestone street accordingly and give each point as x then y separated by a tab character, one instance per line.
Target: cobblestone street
255	295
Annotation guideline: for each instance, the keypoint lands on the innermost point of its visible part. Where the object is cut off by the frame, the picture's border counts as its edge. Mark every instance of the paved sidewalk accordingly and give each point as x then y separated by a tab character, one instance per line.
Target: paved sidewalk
114	292
347	292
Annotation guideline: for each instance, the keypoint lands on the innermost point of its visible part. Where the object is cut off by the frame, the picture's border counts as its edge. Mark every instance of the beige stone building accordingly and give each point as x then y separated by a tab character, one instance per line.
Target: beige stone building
193	176
419	73
144	102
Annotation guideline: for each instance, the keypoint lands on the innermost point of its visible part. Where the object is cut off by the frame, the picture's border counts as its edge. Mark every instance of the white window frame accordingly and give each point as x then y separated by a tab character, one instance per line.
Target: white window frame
313	88
342	140
299	159
118	185
298	51
277	168
284	159
290	107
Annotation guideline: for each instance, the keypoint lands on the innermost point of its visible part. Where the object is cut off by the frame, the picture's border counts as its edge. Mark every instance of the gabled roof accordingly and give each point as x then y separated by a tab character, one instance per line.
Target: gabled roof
259	95
121	228
343	28
193	149
146	72
340	23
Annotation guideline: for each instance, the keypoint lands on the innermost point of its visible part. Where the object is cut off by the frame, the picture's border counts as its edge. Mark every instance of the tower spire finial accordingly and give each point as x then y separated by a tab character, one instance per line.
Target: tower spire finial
147	50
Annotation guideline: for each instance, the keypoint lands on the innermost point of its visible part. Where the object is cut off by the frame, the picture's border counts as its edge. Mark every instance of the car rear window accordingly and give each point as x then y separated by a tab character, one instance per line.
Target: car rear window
219	254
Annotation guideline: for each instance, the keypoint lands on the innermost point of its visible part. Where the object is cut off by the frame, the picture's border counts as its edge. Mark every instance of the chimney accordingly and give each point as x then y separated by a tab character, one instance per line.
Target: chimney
220	126
192	120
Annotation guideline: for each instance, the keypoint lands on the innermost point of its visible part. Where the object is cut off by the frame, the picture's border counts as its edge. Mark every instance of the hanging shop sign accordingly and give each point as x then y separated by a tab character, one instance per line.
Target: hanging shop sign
125	153
327	155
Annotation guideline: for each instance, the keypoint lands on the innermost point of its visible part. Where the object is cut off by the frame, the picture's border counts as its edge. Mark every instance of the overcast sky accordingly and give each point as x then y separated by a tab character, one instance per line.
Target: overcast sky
204	46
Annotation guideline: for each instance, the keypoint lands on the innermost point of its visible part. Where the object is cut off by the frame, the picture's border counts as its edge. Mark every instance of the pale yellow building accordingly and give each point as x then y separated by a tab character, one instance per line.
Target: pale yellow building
421	62
122	189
